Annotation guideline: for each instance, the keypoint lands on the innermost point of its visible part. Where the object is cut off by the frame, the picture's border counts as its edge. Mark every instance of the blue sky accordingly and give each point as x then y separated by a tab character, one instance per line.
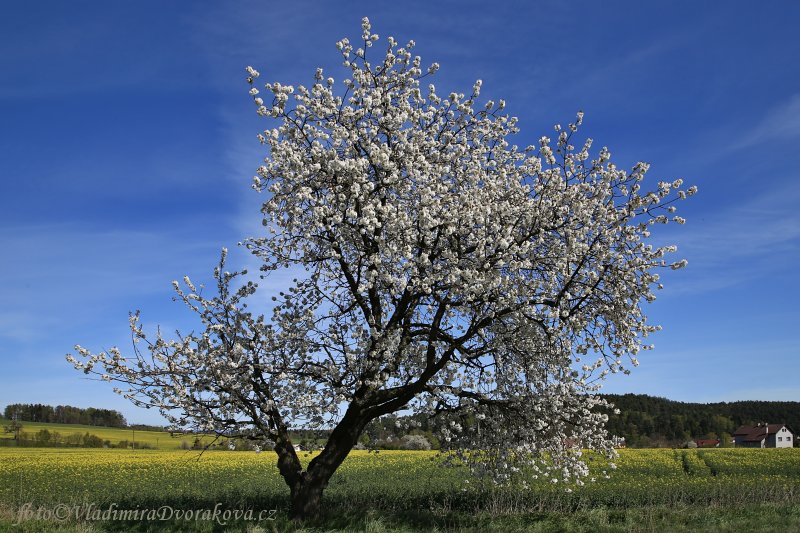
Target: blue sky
127	146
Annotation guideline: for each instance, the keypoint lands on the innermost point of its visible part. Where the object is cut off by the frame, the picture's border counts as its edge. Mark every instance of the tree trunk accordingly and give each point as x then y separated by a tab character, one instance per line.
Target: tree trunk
306	498
307	487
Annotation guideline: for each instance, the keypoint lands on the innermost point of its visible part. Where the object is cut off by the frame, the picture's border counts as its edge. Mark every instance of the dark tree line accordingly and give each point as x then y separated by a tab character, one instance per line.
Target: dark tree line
64	414
643	421
651	421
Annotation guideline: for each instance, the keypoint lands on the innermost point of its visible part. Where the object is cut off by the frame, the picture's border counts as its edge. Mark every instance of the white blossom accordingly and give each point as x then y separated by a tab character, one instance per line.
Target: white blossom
446	271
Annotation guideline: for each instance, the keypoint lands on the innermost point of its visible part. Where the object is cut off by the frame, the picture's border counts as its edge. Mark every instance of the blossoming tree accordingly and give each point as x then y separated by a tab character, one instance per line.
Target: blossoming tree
444	271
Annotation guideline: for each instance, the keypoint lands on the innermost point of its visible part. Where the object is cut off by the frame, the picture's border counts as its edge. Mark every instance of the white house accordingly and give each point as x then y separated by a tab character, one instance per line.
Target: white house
764	436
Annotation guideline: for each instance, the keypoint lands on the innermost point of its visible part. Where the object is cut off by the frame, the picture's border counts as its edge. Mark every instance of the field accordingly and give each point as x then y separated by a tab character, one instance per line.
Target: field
402	491
160	440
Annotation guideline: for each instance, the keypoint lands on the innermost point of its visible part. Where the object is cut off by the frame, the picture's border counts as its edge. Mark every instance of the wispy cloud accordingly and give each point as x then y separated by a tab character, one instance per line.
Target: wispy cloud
21	325
781	123
741	243
65	275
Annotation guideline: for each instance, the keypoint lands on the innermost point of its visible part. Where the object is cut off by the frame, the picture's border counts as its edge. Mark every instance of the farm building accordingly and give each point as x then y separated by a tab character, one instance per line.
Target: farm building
764	436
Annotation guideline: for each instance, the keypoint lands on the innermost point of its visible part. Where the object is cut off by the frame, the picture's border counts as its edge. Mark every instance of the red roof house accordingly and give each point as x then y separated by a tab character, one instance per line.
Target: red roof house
707	443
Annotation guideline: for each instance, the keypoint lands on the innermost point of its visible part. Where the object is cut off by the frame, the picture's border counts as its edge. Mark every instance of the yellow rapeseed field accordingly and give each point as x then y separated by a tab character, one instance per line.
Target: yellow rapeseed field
396	479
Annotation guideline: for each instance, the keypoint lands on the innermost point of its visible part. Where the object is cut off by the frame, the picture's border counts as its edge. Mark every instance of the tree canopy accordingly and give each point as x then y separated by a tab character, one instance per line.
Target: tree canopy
444	270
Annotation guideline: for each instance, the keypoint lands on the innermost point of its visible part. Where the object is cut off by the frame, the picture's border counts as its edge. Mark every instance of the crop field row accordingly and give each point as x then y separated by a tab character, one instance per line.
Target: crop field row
389	480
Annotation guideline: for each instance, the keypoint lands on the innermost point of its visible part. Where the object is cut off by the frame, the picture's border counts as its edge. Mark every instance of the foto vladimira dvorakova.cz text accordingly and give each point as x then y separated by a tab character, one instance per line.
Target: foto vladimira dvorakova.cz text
112	512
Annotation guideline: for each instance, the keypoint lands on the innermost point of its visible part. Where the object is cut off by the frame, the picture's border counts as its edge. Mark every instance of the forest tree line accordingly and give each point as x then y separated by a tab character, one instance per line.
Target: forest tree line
64	414
648	421
644	421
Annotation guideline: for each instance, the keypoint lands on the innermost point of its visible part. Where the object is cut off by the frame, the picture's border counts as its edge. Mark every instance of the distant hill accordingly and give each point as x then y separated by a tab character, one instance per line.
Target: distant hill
649	421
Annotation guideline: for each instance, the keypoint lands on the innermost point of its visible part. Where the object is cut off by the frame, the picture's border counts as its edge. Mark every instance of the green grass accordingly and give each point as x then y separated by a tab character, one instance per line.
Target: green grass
160	440
753	518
